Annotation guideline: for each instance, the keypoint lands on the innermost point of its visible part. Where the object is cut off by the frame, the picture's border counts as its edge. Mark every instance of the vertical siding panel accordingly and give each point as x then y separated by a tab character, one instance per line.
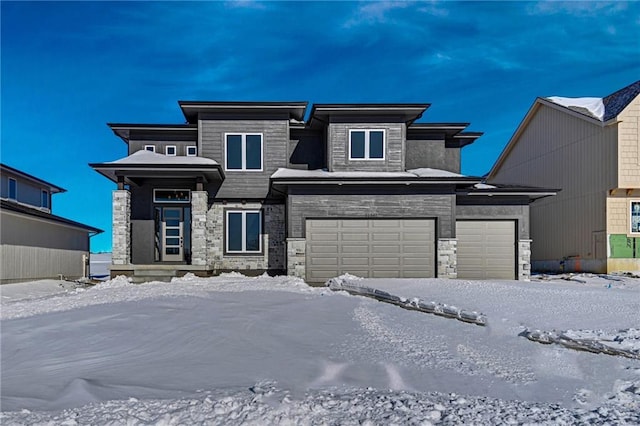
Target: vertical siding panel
558	150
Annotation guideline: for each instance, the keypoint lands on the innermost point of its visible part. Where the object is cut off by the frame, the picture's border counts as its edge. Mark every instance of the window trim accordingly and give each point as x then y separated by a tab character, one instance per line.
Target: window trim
195	153
367	144
44	193
175	150
244	251
188	200
153	148
243	151
631	231
15	181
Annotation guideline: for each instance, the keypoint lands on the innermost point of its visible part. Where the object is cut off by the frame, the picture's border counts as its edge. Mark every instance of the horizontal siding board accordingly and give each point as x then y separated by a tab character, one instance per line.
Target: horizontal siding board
24	263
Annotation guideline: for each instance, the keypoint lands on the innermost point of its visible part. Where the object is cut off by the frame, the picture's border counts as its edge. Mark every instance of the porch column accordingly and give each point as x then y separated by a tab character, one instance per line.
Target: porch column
199	200
447	258
121	245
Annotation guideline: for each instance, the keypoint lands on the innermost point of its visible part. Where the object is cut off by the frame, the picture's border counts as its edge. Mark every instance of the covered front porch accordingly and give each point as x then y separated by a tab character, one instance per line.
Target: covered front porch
159	213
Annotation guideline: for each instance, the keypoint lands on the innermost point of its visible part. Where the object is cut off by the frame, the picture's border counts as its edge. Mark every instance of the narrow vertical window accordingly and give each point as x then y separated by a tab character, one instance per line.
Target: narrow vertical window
13	189
44	199
635	216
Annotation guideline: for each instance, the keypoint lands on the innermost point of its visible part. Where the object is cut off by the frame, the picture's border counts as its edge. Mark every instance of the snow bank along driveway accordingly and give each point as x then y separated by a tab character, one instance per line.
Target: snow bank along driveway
237	350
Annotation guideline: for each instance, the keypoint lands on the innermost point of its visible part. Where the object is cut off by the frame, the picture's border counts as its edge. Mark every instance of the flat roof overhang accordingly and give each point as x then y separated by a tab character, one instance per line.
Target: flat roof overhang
531	193
383	181
406	112
191	109
133	173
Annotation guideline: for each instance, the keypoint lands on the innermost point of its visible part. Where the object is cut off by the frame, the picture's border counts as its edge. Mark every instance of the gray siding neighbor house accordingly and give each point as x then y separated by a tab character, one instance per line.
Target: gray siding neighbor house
34	243
352	188
590	148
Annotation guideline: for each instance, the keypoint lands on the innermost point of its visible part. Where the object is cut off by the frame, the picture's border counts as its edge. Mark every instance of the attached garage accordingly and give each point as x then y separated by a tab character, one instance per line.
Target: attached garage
486	249
371	248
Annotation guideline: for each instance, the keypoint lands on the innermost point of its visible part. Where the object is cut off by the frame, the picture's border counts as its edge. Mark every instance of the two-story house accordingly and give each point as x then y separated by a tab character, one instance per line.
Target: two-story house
358	188
34	243
590	148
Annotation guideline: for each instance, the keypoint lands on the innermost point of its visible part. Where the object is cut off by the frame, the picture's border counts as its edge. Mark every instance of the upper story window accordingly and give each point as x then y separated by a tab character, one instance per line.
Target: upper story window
151	148
170	150
13	189
243	151
192	151
366	145
44	199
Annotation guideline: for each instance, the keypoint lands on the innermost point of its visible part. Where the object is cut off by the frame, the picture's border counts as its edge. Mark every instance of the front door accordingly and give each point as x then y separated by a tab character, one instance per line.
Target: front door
172	234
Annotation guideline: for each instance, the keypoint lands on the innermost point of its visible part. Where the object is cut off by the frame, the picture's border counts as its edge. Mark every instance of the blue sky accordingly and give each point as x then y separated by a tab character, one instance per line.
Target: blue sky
69	67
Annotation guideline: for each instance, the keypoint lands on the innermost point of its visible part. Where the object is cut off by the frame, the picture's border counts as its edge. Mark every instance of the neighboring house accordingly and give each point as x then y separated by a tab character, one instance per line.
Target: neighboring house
34	243
590	148
357	188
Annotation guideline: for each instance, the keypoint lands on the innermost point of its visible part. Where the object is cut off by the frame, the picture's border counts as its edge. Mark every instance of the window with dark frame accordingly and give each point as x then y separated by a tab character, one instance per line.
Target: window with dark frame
13	189
366	144
244	231
243	152
44	199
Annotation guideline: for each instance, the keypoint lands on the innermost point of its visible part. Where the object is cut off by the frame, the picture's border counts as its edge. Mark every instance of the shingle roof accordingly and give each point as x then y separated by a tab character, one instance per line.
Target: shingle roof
616	102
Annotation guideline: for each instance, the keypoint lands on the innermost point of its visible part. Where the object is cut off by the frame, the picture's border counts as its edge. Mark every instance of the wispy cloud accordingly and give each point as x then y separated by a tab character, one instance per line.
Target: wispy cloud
375	12
577	8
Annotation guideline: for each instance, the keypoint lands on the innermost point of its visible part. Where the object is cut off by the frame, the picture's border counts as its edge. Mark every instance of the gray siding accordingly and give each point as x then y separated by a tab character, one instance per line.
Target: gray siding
246	184
301	207
25	263
28	192
432	154
519	213
338	148
558	150
22	230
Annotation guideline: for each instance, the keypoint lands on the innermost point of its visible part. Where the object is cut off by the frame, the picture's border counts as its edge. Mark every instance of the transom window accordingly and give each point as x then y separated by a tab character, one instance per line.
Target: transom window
151	148
44	199
171	195
244	229
170	150
13	189
243	151
634	215
192	151
366	144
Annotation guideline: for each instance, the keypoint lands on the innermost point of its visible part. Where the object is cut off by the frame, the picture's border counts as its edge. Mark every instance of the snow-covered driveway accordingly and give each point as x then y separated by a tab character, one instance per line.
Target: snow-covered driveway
273	350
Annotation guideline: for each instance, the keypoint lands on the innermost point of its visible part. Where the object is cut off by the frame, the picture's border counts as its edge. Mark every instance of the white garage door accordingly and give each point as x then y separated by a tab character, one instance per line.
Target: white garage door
371	248
486	249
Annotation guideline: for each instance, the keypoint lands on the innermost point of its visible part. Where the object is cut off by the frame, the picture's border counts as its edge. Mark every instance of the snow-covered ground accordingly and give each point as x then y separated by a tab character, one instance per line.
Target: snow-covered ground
238	350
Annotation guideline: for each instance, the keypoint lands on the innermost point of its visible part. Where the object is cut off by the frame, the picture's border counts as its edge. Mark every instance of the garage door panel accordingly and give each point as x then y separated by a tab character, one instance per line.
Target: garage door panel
486	249
383	248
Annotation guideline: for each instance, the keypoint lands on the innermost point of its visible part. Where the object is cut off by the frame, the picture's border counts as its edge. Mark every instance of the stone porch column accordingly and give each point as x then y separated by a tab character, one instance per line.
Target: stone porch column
524	260
121	245
296	257
447	258
199	201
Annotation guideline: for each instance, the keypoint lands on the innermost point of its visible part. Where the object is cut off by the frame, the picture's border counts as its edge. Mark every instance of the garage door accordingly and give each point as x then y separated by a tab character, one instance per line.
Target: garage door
486	249
371	248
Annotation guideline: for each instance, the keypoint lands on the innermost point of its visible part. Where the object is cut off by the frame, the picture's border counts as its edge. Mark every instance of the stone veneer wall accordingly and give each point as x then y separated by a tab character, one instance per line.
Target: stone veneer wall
447	258
273	242
296	257
524	260
121	251
199	201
